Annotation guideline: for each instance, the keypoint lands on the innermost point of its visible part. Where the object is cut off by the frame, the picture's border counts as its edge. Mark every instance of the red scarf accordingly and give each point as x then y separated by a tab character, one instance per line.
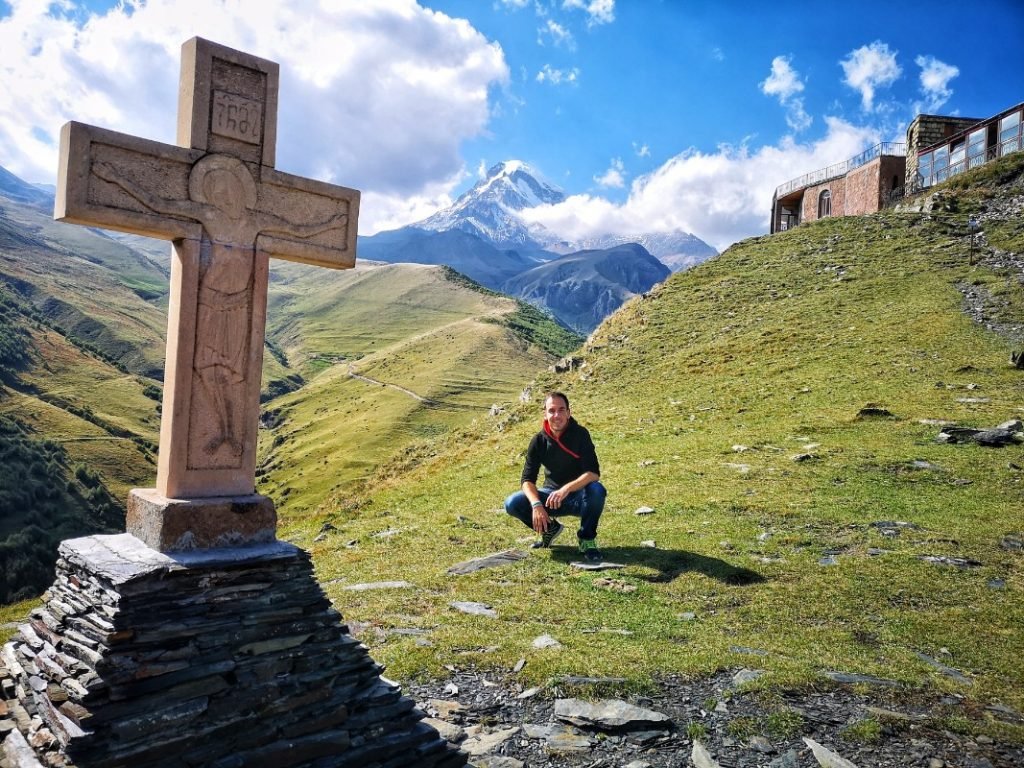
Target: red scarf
553	436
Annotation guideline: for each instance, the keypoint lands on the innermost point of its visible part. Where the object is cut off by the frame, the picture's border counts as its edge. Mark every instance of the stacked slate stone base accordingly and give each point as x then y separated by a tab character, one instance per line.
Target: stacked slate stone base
221	659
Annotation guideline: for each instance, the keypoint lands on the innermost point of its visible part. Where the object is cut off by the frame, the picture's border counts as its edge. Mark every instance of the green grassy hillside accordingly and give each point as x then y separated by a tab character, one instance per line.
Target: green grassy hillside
82	317
746	401
392	355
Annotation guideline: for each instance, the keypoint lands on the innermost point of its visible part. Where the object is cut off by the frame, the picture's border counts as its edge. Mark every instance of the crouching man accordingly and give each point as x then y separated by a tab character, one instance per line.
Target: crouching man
571	480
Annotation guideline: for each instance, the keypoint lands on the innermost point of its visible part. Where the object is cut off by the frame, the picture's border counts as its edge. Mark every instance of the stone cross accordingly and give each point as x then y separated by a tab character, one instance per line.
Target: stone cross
217	197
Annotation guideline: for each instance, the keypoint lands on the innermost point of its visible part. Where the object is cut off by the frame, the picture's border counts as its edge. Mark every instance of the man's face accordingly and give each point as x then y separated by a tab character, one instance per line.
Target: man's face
557	414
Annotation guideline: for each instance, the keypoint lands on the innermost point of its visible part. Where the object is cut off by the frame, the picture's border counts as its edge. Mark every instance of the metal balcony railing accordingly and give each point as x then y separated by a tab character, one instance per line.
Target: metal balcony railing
890	148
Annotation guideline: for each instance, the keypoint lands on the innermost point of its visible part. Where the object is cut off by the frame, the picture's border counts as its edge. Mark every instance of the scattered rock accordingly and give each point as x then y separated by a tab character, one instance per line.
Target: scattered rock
519	666
377	585
854	678
480	741
446	709
1013	542
497	761
741	468
475	609
826	757
892	528
559	739
615	585
387	534
645	511
960	677
874	412
489	561
610	714
649	543
701	758
906	736
546	641
997	437
788	760
802	457
745	676
958	562
449	732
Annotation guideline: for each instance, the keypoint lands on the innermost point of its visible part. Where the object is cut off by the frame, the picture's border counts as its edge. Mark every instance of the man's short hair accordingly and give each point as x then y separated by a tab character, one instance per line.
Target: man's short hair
555	393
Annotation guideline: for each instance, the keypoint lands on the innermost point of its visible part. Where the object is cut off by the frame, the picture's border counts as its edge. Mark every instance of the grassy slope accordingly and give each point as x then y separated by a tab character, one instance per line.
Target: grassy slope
90	285
775	345
409	329
62	379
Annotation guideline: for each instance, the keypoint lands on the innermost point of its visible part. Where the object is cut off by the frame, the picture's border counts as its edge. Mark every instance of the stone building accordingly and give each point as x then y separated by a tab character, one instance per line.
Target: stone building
937	147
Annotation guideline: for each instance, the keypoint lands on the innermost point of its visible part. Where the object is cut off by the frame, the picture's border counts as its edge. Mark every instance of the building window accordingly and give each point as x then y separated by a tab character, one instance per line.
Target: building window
976	147
957	156
924	169
940	164
824	204
1009	134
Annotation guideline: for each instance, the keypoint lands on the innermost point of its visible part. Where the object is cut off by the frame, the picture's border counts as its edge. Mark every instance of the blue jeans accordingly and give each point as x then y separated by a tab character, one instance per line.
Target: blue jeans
586	504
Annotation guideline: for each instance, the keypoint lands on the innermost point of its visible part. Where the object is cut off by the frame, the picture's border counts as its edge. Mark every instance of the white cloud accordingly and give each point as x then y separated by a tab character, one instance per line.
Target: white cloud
642	150
614	177
558	76
720	197
868	68
935	77
785	83
515	5
557	34
598	11
378	96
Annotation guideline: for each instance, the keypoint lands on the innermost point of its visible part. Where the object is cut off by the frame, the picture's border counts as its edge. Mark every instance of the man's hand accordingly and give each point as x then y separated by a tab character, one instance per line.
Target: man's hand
541	520
555	498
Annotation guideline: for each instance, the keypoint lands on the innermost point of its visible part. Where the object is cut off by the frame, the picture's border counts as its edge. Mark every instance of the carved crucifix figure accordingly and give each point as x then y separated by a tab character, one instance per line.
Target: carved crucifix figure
219	200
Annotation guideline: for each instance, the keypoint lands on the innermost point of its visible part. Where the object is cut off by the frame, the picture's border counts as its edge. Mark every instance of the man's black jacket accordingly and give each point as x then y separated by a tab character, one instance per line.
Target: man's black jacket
564	458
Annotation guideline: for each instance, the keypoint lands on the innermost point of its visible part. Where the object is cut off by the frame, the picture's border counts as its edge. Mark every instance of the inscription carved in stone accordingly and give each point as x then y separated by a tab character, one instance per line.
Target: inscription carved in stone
237	117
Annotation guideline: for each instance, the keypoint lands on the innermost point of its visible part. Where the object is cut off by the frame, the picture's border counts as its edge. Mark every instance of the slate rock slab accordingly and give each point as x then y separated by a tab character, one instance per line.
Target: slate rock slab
378	585
474	609
609	714
480	741
488	561
604	566
855	678
827	758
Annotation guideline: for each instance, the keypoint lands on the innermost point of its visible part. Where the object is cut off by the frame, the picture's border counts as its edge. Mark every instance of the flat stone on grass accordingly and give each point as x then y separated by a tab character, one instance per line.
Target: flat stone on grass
611	714
474	609
488	561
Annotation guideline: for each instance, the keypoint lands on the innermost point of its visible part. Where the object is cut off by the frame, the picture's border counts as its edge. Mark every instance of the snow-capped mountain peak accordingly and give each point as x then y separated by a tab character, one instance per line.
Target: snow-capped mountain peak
488	210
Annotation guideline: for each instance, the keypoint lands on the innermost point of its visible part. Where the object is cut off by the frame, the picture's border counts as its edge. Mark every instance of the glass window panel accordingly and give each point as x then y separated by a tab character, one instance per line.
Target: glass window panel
976	143
941	157
1009	126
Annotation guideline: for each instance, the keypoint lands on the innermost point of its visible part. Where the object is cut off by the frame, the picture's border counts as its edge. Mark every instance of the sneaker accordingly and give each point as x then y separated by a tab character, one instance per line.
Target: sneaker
589	550
547	538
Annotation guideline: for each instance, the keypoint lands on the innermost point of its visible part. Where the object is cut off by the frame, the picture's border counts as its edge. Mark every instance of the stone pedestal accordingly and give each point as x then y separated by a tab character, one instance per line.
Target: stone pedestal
216	658
175	525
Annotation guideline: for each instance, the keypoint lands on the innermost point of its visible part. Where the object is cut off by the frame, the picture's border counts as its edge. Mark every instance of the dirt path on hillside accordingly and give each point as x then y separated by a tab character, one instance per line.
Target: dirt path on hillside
425	400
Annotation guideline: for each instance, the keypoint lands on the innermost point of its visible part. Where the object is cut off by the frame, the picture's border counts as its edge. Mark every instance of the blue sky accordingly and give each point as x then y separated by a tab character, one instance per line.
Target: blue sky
651	115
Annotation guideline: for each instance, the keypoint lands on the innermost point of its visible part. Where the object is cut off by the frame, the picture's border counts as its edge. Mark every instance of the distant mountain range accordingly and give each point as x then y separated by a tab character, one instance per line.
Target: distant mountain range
484	236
